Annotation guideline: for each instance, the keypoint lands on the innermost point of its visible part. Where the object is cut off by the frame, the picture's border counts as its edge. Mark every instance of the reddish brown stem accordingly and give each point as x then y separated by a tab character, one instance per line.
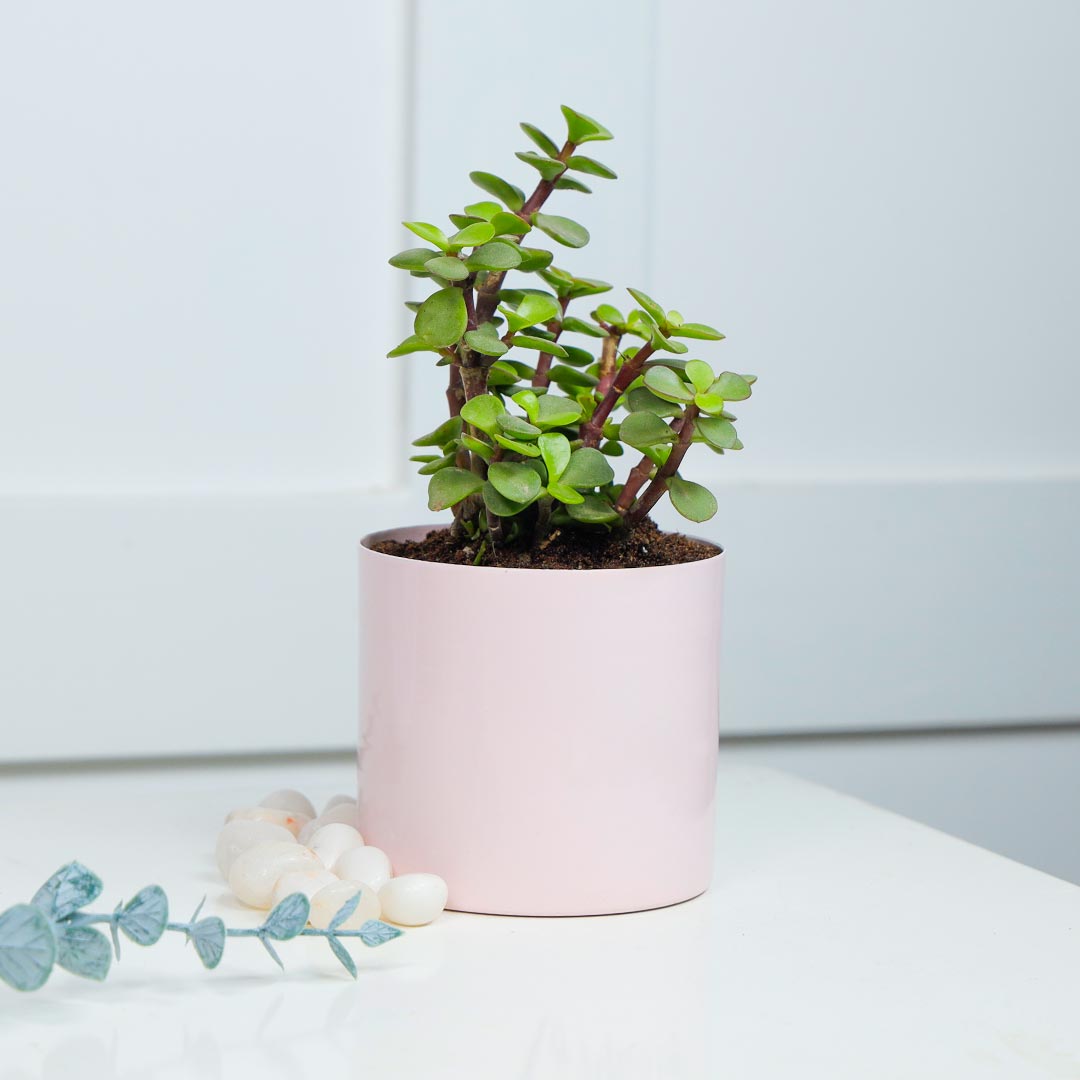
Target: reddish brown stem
609	354
487	296
593	428
639	474
666	471
543	364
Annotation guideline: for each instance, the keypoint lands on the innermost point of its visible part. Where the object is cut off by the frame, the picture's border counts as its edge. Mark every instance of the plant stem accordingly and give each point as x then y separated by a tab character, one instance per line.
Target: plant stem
543	365
609	354
592	429
668	469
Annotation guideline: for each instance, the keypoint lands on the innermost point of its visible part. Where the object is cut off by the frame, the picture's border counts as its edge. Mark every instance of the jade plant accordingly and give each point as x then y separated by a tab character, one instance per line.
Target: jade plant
536	417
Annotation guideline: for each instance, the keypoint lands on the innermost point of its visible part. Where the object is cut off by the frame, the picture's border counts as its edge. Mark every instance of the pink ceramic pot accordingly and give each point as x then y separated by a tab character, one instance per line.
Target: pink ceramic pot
545	740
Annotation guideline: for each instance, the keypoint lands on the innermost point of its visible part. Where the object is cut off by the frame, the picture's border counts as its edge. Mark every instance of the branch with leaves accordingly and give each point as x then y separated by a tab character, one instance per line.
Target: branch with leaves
53	929
528	446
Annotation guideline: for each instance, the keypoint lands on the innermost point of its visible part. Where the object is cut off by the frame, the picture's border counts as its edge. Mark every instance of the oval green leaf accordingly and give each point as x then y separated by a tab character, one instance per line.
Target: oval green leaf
693	501
562	229
442	318
449	486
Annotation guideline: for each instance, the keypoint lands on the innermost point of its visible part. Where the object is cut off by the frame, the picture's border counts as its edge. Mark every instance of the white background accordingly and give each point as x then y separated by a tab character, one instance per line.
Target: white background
876	202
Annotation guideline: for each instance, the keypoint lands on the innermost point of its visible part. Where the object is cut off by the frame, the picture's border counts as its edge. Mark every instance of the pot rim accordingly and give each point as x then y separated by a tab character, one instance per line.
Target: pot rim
395	533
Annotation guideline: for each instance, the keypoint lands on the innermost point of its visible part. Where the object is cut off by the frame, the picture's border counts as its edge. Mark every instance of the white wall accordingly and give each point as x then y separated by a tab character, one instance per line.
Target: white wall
874	201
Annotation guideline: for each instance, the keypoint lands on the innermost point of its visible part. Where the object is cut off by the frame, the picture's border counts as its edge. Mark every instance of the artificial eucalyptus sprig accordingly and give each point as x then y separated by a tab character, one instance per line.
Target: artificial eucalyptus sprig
53	929
513	476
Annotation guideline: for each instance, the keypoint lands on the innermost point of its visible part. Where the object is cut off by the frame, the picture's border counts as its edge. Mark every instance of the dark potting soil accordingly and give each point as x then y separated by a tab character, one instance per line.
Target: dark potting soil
562	549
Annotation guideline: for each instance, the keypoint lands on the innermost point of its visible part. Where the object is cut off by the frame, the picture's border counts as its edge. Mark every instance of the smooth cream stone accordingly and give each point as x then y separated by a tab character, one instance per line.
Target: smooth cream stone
288	819
370	864
327	902
241	834
338	800
255	872
333	840
308	882
413	899
289	799
345	813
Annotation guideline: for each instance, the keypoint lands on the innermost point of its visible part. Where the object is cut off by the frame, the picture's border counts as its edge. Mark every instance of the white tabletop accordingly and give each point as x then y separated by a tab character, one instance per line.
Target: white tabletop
837	941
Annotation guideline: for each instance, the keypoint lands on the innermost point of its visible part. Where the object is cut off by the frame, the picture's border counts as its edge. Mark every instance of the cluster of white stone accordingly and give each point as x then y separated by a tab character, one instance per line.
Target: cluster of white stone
281	846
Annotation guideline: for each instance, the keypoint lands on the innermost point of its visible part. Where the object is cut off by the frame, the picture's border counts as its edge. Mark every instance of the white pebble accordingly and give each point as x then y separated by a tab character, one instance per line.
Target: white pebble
369	864
289	799
333	840
345	813
241	834
308	882
327	902
413	899
288	819
256	871
338	800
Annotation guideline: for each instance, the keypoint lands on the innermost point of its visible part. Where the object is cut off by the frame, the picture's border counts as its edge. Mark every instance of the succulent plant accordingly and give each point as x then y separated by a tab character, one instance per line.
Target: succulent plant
536	417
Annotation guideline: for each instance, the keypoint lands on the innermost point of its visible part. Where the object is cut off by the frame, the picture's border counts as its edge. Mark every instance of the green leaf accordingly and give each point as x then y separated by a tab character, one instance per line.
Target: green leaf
562	229
554	411
27	947
610	314
460	221
512	196
571	183
555	450
345	910
442	318
529	401
709	403
654	310
504	373
717	432
375	932
509	224
477	446
208	937
287	918
515	481
446	266
573	325
666	384
641	429
516	427
84	951
730	387
570	379
144	916
483	412
693	501
538	344
410	345
700	374
73	886
413	258
587	287
443	435
449	486
588	468
565	494
339	950
533	259
499	504
750	379
641	399
523	448
579	357
472	235
485	340
541	140
581	128
580	163
698	331
660	342
431	233
496	255
437	463
593	510
547	167
533	309
485	210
